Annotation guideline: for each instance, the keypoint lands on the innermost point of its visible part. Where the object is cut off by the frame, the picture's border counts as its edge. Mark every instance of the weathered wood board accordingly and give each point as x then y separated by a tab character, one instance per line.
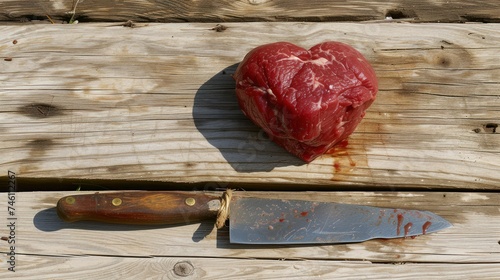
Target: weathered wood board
47	248
156	102
250	10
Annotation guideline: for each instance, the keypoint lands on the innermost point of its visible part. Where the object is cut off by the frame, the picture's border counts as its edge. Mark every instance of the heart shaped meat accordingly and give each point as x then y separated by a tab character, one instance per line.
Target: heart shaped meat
305	100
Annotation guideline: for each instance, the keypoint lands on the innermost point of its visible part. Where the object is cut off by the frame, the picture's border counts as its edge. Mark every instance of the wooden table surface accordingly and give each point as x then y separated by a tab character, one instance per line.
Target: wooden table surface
102	105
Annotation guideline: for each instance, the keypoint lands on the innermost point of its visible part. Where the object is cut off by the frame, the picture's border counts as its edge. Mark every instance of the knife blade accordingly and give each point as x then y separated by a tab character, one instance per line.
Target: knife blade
269	221
253	220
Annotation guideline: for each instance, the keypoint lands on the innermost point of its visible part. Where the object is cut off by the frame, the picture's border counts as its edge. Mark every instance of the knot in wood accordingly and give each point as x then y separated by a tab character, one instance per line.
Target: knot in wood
183	268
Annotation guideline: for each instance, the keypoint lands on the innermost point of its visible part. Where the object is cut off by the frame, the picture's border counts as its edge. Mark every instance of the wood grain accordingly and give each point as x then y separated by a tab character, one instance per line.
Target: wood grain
157	103
250	10
44	242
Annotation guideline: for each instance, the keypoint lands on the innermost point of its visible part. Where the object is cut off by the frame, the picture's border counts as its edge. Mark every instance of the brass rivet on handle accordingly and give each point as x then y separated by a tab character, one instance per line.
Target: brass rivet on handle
190	201
70	200
116	201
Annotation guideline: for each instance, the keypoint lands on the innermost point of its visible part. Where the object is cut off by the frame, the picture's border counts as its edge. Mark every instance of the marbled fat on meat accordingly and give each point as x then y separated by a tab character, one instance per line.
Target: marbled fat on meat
305	100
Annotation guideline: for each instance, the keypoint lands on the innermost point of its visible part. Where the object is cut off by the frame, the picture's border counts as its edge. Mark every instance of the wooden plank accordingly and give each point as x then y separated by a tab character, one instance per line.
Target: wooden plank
111	267
251	10
475	230
157	103
70	250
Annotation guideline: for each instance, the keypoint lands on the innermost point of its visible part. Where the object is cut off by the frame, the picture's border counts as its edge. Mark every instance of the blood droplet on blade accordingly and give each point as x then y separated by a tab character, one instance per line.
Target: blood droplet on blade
407	228
426	226
400	223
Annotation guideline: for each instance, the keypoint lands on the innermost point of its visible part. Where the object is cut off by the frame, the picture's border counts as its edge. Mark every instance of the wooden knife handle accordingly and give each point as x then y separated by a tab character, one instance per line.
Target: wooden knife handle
141	207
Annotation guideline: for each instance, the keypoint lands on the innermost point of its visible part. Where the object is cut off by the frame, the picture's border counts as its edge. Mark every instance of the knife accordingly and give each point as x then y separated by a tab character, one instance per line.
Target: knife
253	220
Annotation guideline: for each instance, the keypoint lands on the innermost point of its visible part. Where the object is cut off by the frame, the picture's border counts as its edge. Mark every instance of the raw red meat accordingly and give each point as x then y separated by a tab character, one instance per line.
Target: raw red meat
305	100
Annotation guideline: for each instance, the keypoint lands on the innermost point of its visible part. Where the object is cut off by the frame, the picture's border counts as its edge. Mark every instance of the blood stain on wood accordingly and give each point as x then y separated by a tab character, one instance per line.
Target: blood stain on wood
336	165
339	150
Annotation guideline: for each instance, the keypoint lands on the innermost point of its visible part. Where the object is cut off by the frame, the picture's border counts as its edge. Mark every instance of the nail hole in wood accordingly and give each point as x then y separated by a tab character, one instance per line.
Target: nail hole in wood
491	127
400	14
